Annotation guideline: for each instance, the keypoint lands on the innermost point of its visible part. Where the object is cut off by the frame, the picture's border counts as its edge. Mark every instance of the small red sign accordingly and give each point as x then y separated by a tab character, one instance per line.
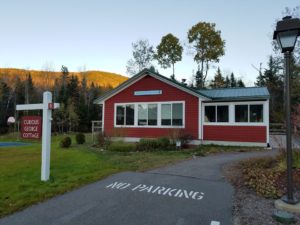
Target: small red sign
31	127
51	105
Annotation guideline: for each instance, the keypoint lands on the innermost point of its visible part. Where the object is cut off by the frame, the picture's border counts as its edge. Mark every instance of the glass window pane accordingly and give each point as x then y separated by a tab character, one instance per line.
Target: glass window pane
210	114
256	113
120	115
241	113
152	114
222	114
177	113
142	114
130	114
166	114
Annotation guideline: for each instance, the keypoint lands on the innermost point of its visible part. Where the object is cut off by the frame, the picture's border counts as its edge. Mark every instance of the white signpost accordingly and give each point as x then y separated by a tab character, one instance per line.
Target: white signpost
47	107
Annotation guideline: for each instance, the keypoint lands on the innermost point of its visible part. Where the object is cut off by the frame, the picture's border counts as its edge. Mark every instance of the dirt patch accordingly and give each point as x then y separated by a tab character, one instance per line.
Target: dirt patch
248	207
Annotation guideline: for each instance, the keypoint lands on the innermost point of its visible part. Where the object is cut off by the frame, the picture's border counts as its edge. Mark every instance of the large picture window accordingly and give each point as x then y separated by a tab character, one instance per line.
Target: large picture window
125	115
218	114
249	113
241	113
222	114
172	114
161	114
256	113
147	115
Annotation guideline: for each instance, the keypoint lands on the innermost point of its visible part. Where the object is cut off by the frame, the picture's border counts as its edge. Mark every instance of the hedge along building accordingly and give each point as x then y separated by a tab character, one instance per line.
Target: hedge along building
149	105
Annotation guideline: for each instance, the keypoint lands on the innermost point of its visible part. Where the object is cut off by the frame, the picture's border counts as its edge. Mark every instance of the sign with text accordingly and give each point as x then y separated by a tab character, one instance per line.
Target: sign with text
31	127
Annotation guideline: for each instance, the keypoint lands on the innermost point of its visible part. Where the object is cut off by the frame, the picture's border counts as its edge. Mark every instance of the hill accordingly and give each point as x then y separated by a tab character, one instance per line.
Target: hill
45	78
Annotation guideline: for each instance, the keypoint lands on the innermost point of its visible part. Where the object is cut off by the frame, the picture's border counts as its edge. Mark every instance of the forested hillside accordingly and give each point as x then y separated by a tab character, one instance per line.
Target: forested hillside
74	91
44	78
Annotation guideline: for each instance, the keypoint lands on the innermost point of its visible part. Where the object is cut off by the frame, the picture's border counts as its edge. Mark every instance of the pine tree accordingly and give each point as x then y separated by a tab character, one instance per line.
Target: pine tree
240	83
63	95
218	81
227	82
233	82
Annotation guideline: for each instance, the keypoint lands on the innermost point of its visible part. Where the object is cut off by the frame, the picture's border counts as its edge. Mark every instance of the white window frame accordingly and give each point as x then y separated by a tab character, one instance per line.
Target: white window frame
231	111
115	111
216	113
158	114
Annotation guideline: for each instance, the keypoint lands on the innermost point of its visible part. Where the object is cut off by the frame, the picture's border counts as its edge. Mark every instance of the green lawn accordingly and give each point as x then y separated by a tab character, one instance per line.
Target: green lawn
20	184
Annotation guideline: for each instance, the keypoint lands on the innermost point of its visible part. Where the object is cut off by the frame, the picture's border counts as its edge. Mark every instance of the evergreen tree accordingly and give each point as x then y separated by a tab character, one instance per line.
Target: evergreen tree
227	82
218	81
233	82
63	95
4	106
240	83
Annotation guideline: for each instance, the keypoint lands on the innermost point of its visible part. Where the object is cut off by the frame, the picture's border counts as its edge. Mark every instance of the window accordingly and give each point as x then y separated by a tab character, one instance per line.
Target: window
125	115
256	113
249	113
147	114
120	115
166	114
172	114
222	114
130	114
142	115
152	114
161	114
241	113
177	114
218	114
210	113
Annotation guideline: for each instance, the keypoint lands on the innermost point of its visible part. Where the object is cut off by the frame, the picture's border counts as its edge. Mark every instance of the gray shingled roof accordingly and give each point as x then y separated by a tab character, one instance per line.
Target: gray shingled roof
237	93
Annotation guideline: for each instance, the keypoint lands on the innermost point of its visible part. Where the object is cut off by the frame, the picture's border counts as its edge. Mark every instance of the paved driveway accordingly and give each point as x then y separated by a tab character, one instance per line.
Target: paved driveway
192	192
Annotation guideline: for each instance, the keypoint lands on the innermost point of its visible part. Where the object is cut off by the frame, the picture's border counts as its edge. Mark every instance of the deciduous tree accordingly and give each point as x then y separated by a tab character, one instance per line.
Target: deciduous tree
142	53
168	52
208	47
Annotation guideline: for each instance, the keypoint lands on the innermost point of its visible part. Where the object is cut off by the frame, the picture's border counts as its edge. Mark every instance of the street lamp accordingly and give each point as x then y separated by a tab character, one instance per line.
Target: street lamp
286	33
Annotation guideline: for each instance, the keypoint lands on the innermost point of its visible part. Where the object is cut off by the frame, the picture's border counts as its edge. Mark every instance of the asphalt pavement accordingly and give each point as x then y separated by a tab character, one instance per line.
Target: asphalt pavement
193	192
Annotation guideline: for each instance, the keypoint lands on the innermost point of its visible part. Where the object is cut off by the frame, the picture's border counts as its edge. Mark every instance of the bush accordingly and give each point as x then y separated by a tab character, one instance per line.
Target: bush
147	145
163	142
121	147
103	140
66	142
80	138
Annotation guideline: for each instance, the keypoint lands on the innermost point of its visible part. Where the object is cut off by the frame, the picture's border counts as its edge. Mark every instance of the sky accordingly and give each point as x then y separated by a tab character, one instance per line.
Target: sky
98	35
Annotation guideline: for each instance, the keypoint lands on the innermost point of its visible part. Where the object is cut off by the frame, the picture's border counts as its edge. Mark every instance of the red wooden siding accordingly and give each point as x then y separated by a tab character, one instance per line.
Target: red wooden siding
169	93
235	133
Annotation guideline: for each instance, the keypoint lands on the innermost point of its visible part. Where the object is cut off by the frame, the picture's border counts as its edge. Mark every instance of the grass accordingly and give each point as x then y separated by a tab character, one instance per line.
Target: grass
20	184
203	150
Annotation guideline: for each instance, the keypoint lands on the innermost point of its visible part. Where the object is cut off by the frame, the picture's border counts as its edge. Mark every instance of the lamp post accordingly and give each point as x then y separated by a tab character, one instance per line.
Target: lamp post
286	33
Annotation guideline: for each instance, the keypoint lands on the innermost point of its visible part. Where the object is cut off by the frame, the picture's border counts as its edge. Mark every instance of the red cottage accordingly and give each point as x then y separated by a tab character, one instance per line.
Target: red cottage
149	105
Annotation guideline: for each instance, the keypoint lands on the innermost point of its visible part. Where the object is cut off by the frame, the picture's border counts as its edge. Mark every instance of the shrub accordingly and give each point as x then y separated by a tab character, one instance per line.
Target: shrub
176	134
147	145
121	147
103	140
66	142
80	138
163	143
